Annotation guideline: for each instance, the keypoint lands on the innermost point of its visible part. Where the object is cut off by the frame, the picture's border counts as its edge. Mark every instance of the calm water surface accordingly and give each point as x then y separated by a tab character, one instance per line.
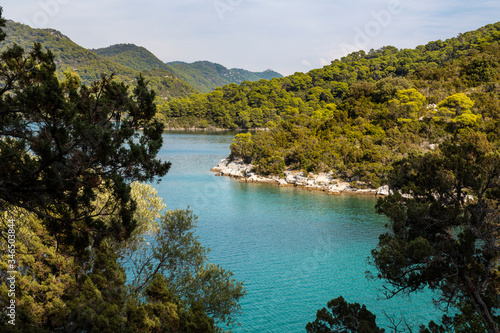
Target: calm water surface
295	250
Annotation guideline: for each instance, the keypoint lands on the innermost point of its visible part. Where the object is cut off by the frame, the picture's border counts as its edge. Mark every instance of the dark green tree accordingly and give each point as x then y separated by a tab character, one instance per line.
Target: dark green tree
181	260
241	147
63	143
343	317
445	227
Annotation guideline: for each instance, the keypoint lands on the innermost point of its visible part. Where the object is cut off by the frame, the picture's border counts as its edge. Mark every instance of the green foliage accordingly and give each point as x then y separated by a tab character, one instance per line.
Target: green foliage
242	147
178	256
66	143
426	74
312	145
467	119
205	76
129	55
410	103
457	103
360	113
344	317
444	230
59	292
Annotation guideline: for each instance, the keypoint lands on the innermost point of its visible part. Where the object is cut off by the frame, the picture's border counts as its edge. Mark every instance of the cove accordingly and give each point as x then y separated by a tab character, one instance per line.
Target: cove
295	250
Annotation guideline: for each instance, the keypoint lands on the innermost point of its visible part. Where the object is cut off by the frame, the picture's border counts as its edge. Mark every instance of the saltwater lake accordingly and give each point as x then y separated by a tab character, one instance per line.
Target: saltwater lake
295	250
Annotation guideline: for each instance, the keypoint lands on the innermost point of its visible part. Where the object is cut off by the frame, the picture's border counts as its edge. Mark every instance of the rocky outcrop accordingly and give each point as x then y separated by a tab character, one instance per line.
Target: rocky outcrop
323	182
383	190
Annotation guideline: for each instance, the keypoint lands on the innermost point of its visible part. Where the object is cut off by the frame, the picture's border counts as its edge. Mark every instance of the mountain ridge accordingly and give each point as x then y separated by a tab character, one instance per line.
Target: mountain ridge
127	61
204	75
70	56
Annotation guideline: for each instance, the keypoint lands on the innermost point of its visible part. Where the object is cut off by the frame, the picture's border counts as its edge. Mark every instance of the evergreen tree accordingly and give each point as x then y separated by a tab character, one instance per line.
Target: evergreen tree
445	227
63	143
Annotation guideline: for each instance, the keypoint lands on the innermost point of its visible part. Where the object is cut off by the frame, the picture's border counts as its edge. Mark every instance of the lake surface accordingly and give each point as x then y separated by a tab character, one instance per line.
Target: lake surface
295	250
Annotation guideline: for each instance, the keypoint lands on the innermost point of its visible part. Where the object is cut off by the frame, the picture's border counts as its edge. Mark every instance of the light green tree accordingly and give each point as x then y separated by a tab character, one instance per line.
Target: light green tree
410	103
176	254
457	109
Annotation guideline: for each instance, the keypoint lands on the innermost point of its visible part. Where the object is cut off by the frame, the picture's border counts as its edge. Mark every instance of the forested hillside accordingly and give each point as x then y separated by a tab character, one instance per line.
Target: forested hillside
360	113
136	57
206	76
70	56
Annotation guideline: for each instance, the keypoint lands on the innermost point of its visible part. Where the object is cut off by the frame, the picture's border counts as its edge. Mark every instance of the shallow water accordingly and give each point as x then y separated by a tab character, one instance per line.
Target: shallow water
294	249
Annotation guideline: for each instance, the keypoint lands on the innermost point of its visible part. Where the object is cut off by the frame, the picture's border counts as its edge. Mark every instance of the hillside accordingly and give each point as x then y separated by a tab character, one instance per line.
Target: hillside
132	56
206	76
68	55
357	115
89	65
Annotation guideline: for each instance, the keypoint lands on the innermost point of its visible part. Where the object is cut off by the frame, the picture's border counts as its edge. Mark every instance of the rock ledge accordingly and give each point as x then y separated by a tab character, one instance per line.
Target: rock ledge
323	182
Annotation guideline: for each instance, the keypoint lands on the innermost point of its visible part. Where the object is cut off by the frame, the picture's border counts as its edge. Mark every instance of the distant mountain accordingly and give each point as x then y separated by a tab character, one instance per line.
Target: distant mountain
68	55
89	65
206	76
127	61
132	56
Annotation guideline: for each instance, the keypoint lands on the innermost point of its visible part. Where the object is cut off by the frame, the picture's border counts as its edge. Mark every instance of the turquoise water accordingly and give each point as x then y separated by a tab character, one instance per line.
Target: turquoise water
295	250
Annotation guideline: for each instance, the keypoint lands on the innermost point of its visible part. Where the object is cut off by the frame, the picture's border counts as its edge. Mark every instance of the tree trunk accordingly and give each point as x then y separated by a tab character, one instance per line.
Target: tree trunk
481	307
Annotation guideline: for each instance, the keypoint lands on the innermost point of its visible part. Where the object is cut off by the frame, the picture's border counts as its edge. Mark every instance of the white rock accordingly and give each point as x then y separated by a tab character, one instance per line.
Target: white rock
236	173
233	166
252	179
282	182
383	190
322	178
300	180
290	179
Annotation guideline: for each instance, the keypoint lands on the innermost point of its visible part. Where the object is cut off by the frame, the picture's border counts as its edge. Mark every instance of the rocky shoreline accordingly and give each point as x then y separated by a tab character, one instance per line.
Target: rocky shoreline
322	182
167	128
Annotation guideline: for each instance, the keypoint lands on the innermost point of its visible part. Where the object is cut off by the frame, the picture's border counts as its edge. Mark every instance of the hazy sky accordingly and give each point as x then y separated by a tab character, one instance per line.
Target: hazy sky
284	35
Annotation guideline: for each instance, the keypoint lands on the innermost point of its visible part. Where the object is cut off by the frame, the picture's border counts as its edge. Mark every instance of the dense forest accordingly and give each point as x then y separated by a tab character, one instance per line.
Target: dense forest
207	76
360	113
71	57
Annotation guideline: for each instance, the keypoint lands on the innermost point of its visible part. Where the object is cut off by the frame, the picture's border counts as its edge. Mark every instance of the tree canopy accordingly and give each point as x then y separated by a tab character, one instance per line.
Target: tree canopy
444	226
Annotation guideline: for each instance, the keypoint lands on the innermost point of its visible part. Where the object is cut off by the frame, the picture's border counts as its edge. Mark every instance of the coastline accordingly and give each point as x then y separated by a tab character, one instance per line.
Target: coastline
213	129
324	182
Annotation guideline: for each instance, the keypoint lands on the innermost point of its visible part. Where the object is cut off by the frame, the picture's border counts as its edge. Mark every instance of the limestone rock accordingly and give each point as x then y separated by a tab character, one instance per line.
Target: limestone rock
282	182
383	190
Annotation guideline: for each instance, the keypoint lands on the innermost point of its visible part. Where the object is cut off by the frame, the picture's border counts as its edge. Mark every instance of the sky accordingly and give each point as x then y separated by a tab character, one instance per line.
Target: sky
284	35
